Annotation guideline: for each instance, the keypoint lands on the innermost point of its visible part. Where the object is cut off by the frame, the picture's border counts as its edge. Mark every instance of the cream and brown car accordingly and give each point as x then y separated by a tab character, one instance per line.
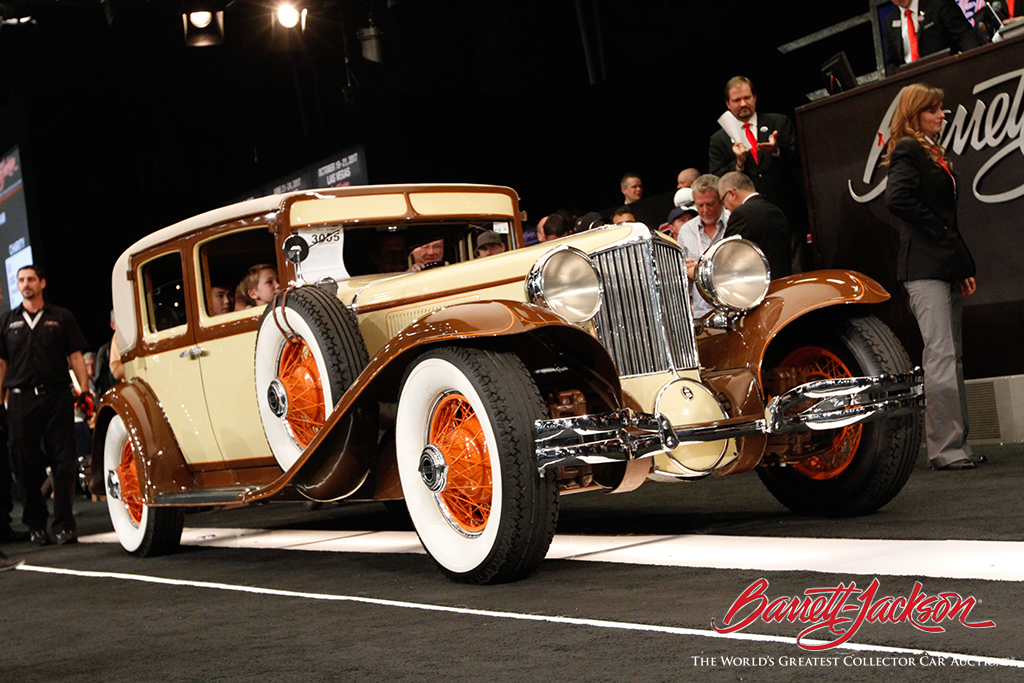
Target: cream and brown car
480	391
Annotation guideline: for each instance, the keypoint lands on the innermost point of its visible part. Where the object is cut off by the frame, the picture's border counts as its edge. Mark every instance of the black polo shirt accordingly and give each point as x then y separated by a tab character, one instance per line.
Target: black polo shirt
38	354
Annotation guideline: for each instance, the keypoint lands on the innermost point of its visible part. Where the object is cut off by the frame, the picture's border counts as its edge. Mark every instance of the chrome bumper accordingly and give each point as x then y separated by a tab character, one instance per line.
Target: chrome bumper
624	435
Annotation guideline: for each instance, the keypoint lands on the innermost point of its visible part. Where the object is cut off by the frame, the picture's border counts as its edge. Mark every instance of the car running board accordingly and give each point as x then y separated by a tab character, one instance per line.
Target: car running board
218	496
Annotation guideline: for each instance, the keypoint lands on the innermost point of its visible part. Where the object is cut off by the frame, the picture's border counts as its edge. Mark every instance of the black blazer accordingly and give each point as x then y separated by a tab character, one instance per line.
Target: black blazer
922	196
941	25
771	175
764	224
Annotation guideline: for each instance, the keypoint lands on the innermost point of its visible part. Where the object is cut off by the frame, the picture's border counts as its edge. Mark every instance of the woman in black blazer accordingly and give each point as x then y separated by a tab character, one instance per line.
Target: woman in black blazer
934	264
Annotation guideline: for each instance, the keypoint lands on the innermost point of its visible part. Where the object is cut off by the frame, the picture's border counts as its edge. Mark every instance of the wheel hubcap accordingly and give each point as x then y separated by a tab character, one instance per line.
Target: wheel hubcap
277	398
297	392
818	363
433	469
458	445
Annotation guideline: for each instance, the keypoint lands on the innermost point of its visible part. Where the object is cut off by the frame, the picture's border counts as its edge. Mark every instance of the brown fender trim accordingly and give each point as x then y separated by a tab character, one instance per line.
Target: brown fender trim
788	298
456	323
160	464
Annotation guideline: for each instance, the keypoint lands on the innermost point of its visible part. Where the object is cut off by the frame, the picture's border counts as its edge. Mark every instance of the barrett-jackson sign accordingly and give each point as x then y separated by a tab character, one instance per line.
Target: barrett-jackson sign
842	141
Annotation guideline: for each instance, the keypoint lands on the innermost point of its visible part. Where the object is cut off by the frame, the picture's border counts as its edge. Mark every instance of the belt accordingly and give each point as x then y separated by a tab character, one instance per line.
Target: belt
40	389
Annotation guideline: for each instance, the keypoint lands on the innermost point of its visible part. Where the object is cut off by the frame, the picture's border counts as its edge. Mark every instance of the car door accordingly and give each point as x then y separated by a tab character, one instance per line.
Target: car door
167	358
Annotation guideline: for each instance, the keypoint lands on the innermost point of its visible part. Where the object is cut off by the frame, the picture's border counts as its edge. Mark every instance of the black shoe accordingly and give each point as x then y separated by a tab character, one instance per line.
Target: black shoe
40	537
9	535
65	536
965	464
8	563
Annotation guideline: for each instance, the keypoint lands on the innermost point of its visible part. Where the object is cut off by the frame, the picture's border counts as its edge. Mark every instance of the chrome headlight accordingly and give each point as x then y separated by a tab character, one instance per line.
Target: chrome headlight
566	281
733	274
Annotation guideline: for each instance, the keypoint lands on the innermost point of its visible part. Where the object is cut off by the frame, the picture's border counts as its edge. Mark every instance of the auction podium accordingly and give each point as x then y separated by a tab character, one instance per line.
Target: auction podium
842	138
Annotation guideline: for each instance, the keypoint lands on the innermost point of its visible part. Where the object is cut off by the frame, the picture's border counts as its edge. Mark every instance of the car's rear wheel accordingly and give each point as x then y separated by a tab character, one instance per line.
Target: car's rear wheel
142	530
859	468
465	450
308	353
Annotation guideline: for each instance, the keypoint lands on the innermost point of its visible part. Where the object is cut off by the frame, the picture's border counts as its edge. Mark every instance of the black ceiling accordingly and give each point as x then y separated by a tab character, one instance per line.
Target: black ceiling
124	130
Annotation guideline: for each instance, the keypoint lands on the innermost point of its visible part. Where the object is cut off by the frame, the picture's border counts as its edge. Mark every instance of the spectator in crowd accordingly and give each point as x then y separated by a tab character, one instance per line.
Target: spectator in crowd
588	221
918	28
37	342
260	284
557	225
623	215
632	188
426	255
933	263
701	232
754	218
541	235
222	299
678	217
489	244
686	177
104	380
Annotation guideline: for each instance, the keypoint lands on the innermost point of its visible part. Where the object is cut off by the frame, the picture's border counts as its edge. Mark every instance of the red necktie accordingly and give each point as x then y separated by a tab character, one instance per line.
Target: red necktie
912	36
752	140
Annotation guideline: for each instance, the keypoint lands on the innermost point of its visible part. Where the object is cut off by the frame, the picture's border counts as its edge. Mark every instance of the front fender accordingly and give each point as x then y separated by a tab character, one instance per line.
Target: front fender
483	322
160	465
788	299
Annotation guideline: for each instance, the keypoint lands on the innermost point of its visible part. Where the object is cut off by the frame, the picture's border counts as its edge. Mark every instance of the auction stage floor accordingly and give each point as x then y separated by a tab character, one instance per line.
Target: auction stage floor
636	587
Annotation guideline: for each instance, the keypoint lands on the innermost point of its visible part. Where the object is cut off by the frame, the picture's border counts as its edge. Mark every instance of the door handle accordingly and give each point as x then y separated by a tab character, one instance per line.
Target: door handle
192	352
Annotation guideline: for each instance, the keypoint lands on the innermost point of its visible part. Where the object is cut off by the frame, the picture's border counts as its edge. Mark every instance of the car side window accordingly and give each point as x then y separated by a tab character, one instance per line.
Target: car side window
163	289
223	263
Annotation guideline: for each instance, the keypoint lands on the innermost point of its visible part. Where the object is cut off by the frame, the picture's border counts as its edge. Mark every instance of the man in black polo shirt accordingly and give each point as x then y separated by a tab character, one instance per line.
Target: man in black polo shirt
37	341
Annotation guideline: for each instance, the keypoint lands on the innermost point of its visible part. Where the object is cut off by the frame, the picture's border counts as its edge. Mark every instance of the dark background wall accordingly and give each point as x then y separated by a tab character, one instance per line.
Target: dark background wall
123	130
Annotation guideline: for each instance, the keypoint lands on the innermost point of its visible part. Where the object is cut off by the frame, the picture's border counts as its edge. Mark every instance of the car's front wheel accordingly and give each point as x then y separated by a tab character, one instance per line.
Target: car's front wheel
465	450
855	469
142	530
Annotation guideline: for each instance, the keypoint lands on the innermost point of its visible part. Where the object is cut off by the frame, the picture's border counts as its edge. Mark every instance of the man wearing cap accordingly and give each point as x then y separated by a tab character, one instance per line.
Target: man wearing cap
754	218
489	244
37	342
678	217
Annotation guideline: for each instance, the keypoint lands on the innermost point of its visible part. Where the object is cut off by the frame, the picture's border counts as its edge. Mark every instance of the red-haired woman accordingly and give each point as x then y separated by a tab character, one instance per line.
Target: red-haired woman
934	264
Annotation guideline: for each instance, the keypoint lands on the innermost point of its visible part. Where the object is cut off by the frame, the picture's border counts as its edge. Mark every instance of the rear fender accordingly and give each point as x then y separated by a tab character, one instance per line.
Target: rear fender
158	459
788	299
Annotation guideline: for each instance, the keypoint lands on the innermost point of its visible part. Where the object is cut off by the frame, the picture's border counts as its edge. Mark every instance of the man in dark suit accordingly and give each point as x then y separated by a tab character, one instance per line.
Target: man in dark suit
766	163
937	25
756	219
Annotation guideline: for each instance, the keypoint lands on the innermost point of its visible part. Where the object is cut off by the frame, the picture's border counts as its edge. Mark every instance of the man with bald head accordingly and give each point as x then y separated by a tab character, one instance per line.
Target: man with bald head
686	177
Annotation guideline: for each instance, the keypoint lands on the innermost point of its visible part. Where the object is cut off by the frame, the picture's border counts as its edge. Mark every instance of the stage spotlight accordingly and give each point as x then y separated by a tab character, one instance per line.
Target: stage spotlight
203	28
13	15
289	16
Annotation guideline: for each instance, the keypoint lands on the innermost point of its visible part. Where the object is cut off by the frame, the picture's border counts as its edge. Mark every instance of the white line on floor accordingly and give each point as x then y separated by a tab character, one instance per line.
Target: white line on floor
573	621
987	560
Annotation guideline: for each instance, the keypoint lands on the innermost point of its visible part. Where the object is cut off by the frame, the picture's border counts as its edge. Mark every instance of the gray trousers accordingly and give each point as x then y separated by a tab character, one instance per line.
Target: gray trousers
938	309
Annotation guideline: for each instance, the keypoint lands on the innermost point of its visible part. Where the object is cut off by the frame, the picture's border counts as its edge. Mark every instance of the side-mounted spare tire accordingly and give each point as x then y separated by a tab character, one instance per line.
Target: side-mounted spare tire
308	353
866	464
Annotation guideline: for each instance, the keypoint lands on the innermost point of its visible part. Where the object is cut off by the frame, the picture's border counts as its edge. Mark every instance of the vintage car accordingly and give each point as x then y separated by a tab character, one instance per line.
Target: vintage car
480	391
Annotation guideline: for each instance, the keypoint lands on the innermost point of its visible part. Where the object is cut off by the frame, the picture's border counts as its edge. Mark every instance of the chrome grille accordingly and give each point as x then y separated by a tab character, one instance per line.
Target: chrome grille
645	322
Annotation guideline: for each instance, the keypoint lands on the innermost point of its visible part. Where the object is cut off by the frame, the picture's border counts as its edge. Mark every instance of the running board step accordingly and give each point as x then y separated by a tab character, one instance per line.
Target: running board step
218	496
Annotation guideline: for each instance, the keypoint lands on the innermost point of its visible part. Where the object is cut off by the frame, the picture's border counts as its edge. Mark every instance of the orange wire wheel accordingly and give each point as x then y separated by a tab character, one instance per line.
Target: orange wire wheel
456	434
127	475
300	377
816	363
